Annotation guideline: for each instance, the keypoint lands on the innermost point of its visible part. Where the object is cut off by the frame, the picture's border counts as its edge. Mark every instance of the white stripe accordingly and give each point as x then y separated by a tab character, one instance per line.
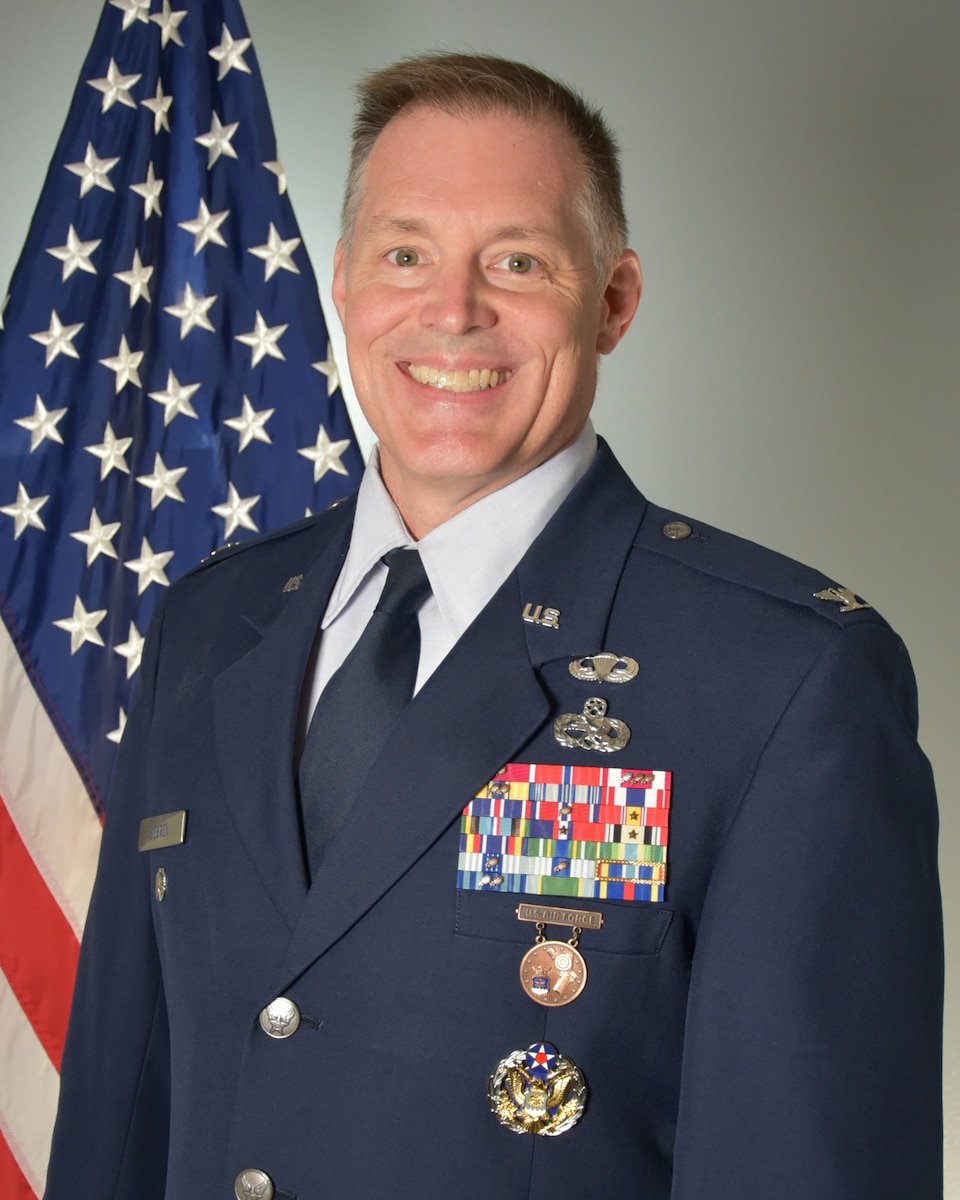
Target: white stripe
41	788
29	1086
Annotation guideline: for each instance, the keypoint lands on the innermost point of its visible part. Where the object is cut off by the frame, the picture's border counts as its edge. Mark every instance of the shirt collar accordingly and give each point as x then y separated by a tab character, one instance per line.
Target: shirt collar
377	529
469	556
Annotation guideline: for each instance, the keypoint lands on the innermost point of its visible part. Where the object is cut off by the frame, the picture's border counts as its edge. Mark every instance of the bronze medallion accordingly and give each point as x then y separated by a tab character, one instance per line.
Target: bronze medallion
553	973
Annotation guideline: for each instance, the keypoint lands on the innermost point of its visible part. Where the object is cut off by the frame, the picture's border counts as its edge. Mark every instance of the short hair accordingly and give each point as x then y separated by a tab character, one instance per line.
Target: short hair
470	85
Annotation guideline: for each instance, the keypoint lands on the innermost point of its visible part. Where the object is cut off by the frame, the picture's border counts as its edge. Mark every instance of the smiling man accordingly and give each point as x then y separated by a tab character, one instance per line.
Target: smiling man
498	832
471	300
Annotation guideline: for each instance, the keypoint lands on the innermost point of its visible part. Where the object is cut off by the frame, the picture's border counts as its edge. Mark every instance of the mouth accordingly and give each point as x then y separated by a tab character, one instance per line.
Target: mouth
448	380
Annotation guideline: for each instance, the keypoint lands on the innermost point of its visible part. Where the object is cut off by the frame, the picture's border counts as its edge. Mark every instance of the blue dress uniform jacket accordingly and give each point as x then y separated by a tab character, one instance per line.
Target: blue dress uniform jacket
767	1031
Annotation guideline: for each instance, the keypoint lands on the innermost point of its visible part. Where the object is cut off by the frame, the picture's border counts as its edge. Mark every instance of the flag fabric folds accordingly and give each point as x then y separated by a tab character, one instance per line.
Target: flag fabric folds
166	385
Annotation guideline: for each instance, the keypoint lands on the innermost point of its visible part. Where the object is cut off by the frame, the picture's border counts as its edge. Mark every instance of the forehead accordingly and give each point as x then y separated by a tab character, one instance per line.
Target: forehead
430	165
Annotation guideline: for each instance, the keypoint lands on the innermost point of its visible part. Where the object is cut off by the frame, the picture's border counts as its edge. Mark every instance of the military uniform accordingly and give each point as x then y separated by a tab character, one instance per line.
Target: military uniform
762	1023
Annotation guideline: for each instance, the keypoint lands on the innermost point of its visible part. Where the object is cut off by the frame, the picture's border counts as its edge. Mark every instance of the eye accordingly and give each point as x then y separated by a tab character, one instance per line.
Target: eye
404	256
518	263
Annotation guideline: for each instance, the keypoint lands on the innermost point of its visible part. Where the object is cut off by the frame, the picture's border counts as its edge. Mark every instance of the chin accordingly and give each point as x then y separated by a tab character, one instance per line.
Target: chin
454	456
461	458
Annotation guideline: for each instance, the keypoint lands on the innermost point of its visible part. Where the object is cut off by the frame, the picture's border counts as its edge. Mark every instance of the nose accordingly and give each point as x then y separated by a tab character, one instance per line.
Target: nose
457	300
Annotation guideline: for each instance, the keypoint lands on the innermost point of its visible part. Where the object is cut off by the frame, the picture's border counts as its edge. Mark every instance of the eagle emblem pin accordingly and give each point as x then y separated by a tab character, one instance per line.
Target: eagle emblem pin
537	1090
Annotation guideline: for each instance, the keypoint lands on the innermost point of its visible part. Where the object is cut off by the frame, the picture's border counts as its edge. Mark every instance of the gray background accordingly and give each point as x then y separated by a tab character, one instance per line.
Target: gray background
793	182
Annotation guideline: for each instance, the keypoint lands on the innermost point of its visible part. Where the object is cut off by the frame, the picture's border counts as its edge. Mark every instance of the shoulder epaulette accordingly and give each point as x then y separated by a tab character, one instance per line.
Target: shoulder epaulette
741	562
231	549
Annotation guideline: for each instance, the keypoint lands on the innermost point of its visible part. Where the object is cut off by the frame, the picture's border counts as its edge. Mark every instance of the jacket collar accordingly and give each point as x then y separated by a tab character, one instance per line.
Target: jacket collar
575	564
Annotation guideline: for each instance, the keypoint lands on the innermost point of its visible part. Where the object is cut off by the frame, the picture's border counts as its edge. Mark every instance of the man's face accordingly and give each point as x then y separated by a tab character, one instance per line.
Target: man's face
470	302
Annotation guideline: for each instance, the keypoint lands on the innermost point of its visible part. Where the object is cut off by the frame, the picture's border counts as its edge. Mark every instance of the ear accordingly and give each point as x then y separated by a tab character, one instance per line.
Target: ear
339	286
620	299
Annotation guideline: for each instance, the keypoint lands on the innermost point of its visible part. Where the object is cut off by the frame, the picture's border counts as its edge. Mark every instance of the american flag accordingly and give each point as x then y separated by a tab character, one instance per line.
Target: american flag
166	385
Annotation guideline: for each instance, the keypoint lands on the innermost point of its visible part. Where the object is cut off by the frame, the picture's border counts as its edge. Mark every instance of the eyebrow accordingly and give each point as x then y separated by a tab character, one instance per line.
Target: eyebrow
397	225
502	233
525	233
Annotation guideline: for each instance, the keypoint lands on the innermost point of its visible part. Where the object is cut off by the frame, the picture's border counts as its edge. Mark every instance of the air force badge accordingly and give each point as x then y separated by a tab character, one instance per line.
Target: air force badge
537	1090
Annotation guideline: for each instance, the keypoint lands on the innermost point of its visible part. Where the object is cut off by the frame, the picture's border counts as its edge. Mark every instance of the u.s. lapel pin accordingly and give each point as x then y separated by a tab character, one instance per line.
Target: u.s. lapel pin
542	614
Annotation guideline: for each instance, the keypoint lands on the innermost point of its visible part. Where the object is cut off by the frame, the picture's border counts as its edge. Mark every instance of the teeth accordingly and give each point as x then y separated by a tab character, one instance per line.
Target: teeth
473	380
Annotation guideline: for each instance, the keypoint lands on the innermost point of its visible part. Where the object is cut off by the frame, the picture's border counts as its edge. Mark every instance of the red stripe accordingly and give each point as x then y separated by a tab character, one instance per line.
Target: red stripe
13	1183
38	948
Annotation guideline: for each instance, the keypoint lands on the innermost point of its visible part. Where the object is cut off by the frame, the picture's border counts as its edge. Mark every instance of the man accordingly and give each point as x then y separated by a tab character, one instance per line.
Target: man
635	897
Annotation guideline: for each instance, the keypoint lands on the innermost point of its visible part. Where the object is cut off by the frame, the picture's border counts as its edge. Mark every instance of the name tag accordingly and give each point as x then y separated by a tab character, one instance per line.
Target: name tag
167	829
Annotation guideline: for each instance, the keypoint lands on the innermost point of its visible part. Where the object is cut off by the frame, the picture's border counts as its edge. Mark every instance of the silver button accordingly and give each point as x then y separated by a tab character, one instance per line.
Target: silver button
676	531
160	884
252	1184
280	1018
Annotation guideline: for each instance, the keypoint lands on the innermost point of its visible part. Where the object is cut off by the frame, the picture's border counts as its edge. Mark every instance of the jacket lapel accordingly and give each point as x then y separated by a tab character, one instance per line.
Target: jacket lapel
256	701
575	565
480	707
456	733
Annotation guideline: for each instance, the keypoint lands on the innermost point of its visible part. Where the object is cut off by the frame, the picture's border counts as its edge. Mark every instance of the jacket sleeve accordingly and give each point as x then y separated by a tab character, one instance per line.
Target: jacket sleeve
110	1138
812	1054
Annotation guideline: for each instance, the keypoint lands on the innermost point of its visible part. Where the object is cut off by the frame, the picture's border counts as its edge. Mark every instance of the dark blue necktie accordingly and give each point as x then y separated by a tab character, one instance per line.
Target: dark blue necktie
361	704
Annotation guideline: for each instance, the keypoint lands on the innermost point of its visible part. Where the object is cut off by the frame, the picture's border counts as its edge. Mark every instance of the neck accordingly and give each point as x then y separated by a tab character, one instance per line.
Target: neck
425	506
426	500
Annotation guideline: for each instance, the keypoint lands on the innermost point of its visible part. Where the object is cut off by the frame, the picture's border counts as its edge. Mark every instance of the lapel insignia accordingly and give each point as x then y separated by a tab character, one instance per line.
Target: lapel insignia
537	1090
847	600
605	668
538	614
293	583
591	729
217	550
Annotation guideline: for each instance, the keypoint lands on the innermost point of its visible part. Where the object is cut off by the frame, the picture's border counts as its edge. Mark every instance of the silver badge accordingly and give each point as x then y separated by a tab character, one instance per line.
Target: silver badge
592	729
847	600
605	668
537	1091
166	829
539	614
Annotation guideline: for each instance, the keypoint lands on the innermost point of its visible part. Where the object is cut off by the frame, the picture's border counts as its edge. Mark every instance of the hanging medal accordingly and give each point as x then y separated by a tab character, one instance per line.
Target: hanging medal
554	973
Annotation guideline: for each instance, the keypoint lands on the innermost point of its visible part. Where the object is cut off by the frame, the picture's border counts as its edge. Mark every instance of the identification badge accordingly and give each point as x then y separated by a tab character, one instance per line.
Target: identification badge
167	829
